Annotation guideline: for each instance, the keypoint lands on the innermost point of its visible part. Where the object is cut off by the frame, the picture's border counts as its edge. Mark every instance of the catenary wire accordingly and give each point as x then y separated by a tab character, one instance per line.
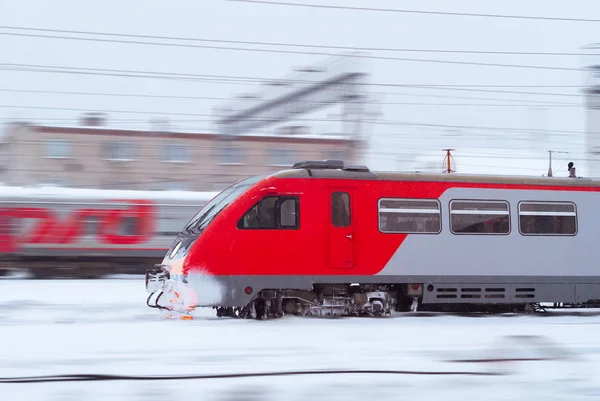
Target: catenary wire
394	10
159	74
141	95
284	44
364	120
102	377
251	81
360	56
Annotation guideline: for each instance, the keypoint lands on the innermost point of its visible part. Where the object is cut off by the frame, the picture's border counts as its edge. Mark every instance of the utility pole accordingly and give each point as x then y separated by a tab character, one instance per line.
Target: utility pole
448	161
550	160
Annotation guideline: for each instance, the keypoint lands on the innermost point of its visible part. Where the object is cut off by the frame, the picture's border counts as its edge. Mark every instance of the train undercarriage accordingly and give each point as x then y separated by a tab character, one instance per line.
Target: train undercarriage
330	300
335	300
341	300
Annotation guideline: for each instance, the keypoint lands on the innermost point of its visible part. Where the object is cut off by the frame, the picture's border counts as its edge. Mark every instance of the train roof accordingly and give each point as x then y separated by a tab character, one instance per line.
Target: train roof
336	169
95	194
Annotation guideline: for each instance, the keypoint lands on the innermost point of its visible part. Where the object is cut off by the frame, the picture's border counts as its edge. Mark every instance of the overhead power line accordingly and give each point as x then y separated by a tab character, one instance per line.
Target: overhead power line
519	102
257	43
253	80
363	120
403	11
360	56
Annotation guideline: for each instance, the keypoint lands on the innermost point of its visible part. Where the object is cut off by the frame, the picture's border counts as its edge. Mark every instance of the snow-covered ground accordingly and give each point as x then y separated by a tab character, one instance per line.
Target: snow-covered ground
104	327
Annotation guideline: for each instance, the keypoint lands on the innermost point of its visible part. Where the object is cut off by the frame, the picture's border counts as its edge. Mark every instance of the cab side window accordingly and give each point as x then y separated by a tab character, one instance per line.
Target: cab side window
272	213
340	209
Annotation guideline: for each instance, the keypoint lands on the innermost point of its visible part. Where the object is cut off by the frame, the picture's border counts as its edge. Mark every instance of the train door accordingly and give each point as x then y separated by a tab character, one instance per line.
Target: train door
341	229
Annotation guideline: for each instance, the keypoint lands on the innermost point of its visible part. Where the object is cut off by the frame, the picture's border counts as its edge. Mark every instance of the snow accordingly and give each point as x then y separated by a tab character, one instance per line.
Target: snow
264	133
104	327
83	193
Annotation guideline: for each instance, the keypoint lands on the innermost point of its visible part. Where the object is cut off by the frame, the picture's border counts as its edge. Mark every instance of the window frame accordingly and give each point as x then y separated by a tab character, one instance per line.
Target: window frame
276	156
171	151
482	212
331	221
439	213
121	150
555	214
281	199
63	145
230	154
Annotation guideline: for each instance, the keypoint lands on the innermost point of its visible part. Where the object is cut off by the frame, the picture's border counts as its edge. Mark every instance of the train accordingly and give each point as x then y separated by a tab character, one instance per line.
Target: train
323	238
52	232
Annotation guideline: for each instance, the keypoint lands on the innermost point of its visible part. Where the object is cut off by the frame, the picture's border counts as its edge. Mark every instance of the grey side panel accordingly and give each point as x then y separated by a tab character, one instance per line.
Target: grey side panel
510	289
504	255
587	292
229	291
500	293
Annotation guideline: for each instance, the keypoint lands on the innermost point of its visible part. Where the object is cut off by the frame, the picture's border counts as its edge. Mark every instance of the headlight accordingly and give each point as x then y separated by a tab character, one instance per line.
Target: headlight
175	250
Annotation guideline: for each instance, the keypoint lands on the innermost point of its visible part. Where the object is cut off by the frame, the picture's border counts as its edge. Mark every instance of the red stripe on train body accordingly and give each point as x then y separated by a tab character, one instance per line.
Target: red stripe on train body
50	228
224	250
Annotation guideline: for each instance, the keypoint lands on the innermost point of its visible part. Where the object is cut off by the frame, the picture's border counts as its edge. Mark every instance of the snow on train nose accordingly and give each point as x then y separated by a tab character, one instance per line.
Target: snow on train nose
156	278
170	294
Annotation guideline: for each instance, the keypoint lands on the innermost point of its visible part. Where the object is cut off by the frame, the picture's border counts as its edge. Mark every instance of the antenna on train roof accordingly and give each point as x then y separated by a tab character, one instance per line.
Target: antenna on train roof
448	161
550	160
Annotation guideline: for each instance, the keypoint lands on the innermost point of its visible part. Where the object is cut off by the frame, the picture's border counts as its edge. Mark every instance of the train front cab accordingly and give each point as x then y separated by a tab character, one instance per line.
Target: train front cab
269	229
167	275
284	231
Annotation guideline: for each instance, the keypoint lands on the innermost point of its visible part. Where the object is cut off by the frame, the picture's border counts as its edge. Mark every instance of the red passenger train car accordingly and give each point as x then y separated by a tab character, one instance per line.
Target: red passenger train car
323	238
87	233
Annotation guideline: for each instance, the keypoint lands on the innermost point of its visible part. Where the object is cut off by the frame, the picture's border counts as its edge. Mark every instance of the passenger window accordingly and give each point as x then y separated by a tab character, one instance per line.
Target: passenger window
272	212
409	216
547	218
479	217
340	209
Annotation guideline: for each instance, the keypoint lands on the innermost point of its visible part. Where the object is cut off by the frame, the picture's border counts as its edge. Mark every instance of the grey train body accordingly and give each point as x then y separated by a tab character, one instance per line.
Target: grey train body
472	268
87	256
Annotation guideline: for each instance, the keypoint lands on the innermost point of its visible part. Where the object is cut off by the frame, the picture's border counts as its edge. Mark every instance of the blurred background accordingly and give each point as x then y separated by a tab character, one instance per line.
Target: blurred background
193	95
120	119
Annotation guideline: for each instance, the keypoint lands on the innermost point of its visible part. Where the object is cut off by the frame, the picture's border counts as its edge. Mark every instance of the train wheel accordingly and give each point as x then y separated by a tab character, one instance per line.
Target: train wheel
260	308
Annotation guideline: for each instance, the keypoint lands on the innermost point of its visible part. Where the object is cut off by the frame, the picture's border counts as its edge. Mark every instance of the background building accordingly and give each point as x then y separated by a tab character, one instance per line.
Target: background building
108	158
316	112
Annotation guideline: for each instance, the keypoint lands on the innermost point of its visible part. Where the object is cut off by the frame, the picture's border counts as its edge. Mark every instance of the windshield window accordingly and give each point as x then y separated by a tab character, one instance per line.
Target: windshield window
216	200
219	202
211	213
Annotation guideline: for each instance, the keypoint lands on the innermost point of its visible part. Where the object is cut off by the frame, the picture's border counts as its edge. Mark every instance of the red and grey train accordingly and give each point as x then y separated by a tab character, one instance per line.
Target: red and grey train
323	238
66	232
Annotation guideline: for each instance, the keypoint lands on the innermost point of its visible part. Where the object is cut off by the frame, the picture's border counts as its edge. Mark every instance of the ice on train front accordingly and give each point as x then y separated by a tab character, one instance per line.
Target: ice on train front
183	281
169	289
177	286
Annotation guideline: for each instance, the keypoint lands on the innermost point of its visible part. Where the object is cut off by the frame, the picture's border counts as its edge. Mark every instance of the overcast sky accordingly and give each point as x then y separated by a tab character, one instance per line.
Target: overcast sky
392	145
